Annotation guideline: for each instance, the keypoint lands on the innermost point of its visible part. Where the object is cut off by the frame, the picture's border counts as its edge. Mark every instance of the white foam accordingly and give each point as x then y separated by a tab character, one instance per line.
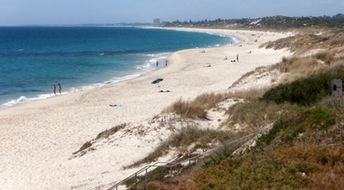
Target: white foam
24	99
235	40
150	64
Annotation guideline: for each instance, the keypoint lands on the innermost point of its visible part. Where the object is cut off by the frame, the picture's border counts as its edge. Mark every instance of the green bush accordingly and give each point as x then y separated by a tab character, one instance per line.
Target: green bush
281	124
288	128
303	92
306	91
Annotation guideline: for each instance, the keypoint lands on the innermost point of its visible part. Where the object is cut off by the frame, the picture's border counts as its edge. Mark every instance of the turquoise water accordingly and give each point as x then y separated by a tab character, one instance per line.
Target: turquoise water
32	59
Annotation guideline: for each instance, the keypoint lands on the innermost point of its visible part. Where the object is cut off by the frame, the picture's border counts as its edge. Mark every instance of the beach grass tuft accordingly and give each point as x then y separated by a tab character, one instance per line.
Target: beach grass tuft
109	132
196	109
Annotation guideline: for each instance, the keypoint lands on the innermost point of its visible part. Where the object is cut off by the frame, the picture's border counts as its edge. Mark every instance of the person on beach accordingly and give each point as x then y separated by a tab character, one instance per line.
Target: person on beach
166	62
157	63
237	57
60	87
54	90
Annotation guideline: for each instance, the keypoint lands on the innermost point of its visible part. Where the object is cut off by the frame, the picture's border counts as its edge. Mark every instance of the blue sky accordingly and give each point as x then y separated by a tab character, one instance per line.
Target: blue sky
42	12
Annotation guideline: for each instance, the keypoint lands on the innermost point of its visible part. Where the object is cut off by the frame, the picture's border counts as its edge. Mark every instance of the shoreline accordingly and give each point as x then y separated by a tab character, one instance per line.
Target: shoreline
135	73
114	80
38	138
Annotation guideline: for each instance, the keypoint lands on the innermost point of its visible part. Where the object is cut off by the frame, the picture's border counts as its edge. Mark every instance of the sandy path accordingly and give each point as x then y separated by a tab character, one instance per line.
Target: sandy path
38	138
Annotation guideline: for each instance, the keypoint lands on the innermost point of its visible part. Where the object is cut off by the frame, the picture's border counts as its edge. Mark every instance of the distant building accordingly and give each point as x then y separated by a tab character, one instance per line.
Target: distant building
156	21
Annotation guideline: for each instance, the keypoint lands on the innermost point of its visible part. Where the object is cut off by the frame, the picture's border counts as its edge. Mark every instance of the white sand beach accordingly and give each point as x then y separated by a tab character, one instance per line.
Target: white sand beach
37	139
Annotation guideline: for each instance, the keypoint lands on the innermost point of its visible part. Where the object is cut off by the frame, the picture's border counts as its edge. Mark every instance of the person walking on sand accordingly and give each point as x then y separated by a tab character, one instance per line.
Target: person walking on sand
60	87
237	57
54	90
166	62
157	63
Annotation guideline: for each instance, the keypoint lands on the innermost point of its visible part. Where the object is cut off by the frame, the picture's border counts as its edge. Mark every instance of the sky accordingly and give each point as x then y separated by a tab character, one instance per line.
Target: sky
70	12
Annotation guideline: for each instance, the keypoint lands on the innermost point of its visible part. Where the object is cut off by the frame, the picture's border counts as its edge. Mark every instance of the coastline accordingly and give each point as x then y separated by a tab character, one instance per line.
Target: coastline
39	137
147	66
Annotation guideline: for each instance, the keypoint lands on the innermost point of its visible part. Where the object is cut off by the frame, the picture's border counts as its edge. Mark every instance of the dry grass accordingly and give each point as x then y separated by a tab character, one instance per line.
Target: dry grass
251	94
308	40
300	67
109	132
187	109
326	57
304	63
196	109
105	134
84	146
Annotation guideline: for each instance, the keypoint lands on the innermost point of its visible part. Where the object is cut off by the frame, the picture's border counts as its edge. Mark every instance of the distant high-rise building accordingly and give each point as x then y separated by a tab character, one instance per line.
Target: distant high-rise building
156	21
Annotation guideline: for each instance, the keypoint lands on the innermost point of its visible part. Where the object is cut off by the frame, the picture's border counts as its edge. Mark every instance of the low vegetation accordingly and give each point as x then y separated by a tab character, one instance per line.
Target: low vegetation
324	40
109	132
297	167
302	150
87	146
198	108
305	91
307	120
315	51
201	138
255	115
293	155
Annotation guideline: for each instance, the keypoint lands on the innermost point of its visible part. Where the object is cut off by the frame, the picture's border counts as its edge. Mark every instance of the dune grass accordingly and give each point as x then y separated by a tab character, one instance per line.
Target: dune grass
184	138
255	115
111	131
307	40
197	108
105	134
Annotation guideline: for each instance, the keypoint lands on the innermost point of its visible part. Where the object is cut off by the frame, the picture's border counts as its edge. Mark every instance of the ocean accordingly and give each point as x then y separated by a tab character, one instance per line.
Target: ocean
33	59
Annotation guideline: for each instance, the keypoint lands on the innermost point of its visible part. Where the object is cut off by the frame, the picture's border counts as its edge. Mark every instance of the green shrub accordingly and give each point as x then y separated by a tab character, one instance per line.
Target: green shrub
306	91
303	166
303	92
320	118
288	127
278	126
